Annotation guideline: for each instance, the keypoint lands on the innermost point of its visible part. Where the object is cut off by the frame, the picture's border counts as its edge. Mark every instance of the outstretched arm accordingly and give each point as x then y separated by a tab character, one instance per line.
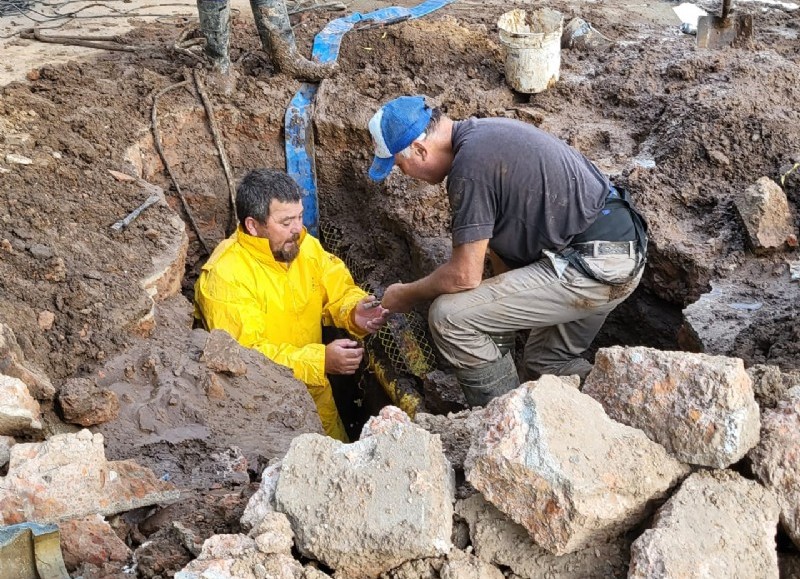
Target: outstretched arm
462	272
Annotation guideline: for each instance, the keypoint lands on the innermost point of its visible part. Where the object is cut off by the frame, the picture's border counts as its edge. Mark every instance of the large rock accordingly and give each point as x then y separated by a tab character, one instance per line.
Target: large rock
776	459
700	408
13	363
765	213
499	540
19	412
717	525
68	477
367	507
550	458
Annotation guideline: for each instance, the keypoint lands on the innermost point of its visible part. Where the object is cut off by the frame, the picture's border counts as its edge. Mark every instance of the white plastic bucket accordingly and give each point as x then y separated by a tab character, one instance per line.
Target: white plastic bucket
533	48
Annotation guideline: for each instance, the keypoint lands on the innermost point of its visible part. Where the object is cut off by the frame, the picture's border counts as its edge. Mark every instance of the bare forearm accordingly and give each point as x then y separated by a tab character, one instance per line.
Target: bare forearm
446	279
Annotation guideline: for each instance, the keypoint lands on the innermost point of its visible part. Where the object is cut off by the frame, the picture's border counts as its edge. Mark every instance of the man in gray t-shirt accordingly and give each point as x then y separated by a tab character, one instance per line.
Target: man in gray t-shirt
565	246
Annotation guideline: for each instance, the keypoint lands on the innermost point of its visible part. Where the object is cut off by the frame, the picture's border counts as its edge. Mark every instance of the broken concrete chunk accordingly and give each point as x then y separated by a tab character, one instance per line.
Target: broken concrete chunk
388	418
226	546
237	556
499	540
90	540
68	477
274	534
700	407
550	458
223	354
19	412
262	503
776	459
718	524
367	507
764	210
13	363
83	402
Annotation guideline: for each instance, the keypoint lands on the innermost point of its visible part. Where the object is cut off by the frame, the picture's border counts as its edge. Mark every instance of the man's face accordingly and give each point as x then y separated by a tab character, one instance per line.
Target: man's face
423	163
282	229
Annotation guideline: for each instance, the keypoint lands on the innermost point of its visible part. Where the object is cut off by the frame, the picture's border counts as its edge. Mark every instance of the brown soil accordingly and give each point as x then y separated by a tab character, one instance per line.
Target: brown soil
707	123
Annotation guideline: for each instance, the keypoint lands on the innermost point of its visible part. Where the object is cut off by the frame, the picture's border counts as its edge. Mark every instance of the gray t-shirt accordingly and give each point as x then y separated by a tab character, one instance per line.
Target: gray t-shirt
521	188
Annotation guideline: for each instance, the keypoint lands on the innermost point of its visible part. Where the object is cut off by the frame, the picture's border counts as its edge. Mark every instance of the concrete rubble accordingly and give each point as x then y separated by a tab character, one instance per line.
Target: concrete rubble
718	524
19	412
700	408
498	540
776	459
367	507
552	500
570	487
68	477
242	557
262	503
764	210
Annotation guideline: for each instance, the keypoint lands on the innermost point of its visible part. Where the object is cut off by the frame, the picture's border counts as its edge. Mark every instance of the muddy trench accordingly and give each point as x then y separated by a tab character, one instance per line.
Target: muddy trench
685	132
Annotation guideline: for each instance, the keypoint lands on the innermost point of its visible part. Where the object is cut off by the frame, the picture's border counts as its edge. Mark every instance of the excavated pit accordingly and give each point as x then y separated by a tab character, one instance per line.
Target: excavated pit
685	131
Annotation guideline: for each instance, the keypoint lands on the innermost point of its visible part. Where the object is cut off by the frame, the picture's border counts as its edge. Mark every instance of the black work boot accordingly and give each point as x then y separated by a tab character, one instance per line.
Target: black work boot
215	25
489	381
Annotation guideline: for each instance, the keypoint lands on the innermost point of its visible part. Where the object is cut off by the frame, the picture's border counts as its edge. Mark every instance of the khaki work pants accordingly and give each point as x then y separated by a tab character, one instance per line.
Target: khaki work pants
563	308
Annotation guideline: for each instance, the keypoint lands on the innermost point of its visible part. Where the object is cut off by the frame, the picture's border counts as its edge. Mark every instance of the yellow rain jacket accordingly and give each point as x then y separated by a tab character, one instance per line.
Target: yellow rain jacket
279	309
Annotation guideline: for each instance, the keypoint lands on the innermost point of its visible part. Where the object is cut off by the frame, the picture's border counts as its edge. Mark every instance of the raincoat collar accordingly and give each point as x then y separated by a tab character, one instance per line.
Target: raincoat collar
259	248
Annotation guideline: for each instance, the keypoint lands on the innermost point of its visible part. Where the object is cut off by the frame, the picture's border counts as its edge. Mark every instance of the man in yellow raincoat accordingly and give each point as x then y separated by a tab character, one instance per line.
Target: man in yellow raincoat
272	286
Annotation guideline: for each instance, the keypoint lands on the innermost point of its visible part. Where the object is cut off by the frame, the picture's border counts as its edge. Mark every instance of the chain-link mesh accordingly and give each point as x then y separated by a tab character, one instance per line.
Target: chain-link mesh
403	338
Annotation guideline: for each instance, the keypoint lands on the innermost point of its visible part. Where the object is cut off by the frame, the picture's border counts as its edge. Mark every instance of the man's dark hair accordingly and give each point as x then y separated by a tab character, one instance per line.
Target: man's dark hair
436	116
257	190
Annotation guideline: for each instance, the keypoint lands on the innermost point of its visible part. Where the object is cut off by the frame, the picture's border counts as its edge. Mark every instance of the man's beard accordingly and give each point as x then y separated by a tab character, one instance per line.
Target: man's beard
288	252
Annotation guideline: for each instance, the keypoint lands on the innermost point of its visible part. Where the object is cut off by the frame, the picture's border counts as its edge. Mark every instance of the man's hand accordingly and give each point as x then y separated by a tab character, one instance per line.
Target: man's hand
396	298
368	316
343	357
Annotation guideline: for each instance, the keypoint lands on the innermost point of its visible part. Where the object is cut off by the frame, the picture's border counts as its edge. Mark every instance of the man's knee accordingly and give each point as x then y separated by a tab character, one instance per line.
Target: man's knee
440	315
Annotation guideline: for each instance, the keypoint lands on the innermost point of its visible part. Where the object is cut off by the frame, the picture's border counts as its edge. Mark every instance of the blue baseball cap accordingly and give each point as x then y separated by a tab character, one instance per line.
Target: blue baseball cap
394	127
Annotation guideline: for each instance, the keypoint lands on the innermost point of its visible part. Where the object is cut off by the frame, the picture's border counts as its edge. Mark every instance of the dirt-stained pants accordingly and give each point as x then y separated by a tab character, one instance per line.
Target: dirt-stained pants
564	313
